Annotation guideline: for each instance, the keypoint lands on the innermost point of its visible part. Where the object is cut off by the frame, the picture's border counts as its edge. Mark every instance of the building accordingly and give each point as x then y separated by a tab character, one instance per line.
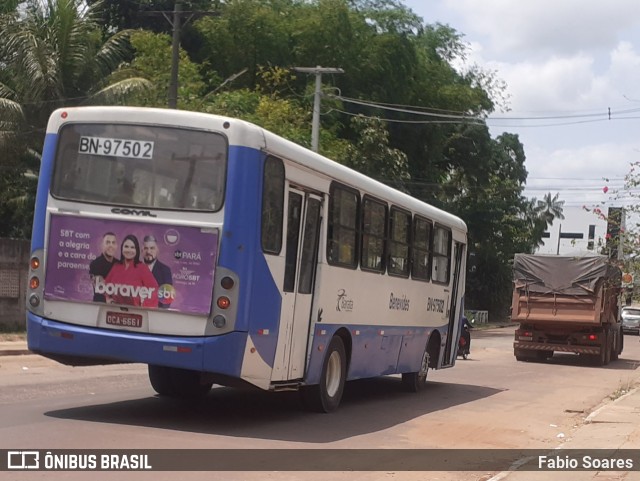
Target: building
583	231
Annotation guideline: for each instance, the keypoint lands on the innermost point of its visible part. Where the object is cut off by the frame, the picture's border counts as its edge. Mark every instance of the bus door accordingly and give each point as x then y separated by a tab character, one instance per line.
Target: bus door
301	259
454	319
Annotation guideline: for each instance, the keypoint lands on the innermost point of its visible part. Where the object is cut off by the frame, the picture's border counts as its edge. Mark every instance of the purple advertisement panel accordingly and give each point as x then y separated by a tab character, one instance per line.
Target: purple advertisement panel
124	263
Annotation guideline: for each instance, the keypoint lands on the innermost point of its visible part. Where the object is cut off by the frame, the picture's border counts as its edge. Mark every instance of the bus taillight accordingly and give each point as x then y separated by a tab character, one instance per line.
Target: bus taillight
34	263
34	282
223	302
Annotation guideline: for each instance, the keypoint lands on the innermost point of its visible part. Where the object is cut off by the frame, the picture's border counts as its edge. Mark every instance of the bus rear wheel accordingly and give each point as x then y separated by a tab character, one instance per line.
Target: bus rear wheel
177	383
325	397
160	378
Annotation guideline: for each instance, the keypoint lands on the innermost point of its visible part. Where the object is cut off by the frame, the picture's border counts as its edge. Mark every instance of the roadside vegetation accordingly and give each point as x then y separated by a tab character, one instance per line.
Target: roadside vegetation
409	108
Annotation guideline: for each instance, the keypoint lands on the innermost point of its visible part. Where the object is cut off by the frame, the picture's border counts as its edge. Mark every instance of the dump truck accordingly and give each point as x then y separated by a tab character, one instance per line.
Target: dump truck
566	305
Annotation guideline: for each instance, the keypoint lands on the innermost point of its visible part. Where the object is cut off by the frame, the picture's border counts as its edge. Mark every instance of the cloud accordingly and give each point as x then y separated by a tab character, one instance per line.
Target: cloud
579	174
572	61
537	27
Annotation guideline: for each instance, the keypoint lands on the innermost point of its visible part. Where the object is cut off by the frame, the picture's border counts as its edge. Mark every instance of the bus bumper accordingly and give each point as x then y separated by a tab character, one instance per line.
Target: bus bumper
82	346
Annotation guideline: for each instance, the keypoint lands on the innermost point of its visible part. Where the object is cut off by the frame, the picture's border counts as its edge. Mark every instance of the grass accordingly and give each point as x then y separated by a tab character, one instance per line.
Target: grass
623	389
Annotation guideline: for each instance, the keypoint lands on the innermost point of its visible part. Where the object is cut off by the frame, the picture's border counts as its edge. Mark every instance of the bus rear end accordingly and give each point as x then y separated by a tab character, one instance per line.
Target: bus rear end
126	239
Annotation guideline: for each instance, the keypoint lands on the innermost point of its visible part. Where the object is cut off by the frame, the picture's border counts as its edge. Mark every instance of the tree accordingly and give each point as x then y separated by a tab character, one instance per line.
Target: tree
152	61
550	208
484	186
372	155
117	15
52	55
445	156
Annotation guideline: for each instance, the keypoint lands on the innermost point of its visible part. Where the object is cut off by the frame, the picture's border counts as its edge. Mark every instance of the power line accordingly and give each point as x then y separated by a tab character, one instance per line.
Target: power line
460	117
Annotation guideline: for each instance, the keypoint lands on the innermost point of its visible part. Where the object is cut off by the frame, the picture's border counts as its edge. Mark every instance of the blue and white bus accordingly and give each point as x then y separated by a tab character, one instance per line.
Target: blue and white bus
217	252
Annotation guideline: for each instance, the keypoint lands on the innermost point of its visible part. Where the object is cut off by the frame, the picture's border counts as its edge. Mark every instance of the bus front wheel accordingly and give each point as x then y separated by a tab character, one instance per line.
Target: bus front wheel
417	381
325	397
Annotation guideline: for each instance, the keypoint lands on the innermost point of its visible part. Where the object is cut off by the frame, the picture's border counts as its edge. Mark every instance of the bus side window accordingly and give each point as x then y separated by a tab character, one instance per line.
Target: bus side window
272	205
399	240
374	222
441	254
342	234
421	252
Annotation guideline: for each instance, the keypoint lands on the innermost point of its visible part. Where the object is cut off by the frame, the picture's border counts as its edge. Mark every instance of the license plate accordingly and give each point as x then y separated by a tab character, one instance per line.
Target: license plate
124	319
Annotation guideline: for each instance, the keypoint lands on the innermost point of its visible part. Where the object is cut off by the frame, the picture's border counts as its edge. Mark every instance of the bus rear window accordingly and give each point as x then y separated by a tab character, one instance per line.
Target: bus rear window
141	165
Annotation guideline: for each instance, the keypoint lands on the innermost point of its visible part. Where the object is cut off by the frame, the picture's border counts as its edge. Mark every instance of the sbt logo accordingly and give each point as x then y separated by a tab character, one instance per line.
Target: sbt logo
166	294
186	255
23	460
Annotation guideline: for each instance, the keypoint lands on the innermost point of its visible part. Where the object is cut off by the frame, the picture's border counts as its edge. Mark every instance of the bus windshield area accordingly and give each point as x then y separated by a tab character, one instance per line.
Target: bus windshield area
141	165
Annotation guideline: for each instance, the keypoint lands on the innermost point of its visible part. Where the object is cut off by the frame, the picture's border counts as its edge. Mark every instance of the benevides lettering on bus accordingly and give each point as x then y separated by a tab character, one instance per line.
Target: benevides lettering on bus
142	213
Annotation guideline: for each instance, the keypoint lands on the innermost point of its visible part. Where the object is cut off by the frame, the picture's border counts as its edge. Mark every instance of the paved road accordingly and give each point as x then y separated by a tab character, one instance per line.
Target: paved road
488	401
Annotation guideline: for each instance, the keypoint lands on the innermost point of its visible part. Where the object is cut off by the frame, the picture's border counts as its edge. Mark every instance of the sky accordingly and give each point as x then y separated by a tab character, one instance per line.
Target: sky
572	71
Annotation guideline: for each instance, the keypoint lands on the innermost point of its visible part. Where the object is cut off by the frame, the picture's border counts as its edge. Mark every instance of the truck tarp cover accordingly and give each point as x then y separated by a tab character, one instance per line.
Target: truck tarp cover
562	275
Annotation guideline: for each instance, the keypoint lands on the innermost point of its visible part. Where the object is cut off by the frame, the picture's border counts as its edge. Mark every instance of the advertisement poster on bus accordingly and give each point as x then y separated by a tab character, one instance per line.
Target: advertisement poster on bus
125	263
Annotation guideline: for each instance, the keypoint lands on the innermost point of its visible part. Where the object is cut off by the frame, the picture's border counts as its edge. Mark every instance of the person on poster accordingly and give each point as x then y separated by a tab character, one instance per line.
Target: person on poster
101	266
160	271
130	282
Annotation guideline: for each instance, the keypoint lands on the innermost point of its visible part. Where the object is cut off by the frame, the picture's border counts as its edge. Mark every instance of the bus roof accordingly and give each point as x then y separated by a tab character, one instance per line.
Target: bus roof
241	132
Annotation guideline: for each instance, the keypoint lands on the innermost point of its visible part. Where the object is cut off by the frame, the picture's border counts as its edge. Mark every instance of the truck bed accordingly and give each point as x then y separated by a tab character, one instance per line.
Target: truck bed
541	308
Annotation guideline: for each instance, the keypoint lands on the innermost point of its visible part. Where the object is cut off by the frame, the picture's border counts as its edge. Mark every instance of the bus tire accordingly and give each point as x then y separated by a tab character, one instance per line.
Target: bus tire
160	378
325	397
417	381
188	384
177	383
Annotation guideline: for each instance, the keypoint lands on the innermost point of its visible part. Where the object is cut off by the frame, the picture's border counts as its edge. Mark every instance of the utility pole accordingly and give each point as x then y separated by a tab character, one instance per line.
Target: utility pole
176	23
315	122
175	57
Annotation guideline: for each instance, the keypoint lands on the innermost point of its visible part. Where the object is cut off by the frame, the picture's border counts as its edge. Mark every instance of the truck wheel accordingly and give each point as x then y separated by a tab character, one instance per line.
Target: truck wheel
325	397
543	355
621	342
520	355
604	357
617	346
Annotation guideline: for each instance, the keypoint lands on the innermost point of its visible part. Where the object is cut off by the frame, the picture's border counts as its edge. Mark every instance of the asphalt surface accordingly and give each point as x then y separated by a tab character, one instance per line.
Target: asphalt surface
615	423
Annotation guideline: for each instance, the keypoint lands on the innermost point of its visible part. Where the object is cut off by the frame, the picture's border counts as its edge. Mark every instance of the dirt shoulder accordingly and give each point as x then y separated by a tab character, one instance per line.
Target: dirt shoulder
13	336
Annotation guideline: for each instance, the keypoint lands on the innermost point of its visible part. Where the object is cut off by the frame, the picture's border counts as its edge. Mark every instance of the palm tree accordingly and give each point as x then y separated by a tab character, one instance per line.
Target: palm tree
55	55
52	54
550	208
